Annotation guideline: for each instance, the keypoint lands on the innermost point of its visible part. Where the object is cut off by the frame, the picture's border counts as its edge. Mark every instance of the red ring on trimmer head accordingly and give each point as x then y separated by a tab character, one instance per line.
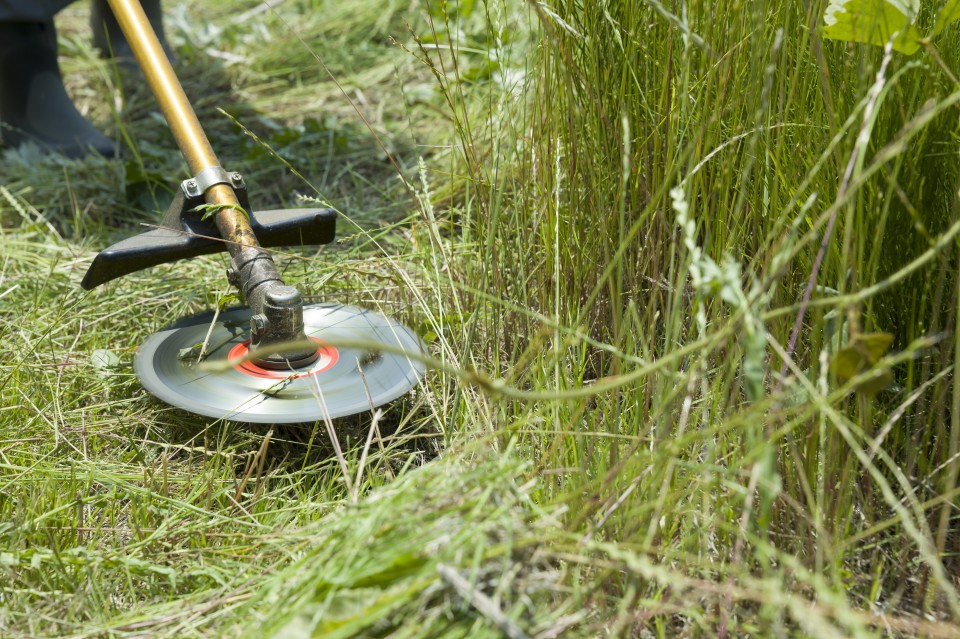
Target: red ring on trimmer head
328	357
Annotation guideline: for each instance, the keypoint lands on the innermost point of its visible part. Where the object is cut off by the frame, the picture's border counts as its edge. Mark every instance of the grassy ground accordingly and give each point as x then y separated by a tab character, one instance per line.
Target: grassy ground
604	218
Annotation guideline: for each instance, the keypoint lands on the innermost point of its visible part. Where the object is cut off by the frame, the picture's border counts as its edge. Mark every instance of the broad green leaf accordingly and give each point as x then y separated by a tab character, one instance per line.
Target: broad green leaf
190	352
874	22
104	359
860	355
948	14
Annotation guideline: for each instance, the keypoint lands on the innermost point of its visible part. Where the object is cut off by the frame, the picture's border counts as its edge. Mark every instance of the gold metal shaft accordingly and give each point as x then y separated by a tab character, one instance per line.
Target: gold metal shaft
192	141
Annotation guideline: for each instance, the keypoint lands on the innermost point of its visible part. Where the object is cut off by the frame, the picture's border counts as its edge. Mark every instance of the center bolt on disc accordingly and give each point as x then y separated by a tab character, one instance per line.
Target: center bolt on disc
325	357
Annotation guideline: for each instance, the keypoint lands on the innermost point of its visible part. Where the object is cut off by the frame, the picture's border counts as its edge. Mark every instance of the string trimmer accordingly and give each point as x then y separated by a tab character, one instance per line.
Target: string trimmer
276	361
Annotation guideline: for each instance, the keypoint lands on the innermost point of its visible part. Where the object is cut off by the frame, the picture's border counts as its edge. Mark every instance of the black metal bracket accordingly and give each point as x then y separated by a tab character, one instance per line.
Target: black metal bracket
184	232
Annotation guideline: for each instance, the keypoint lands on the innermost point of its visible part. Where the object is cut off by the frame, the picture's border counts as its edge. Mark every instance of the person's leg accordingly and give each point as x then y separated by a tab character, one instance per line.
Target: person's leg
30	10
107	36
34	106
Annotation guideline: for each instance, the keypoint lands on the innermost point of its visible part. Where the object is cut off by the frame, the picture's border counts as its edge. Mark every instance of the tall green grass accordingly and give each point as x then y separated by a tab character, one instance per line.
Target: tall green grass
648	223
603	217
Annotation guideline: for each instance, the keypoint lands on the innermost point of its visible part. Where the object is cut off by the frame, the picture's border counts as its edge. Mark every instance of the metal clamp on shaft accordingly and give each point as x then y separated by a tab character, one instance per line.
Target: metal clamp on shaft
208	177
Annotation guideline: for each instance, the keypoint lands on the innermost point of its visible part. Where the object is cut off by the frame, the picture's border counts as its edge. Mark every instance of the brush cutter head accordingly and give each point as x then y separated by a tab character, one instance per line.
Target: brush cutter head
341	360
361	365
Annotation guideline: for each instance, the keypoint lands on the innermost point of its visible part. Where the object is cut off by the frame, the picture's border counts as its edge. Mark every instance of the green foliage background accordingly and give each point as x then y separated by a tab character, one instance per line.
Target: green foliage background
603	216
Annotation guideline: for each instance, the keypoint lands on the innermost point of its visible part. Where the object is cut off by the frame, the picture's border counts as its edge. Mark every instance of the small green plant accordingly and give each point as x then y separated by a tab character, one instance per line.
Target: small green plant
208	211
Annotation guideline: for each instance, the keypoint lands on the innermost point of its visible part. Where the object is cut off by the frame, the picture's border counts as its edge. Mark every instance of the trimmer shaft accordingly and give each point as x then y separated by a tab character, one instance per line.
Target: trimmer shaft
210	212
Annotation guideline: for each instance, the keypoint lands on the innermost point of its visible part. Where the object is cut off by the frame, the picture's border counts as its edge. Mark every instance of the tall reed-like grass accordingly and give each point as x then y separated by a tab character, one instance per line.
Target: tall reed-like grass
648	215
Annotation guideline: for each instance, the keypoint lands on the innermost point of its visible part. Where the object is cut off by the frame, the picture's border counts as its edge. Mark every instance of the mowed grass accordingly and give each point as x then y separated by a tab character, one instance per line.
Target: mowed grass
603	217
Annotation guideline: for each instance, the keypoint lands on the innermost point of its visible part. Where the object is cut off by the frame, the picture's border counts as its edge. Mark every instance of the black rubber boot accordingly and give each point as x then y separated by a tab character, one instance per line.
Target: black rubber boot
34	105
109	39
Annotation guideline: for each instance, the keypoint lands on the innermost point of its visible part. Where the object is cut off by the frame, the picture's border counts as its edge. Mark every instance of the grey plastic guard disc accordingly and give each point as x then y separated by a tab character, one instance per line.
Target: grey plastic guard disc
333	385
